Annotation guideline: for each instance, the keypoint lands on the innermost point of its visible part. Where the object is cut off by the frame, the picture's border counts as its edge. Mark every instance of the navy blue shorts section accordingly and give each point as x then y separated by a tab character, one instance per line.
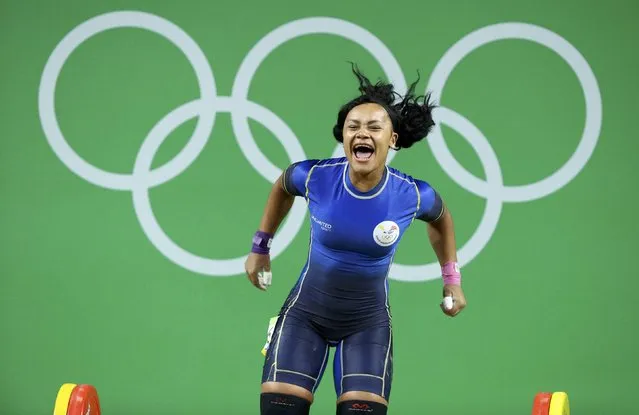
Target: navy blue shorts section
298	354
364	362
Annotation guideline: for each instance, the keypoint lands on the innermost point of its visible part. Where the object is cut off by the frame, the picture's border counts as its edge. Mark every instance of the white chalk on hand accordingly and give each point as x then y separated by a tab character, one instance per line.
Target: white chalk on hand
448	303
264	278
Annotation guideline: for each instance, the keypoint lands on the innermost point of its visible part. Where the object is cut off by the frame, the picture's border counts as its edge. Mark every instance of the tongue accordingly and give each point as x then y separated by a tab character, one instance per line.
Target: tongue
363	154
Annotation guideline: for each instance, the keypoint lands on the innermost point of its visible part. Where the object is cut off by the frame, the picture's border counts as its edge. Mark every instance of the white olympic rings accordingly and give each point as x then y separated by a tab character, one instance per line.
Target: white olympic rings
241	108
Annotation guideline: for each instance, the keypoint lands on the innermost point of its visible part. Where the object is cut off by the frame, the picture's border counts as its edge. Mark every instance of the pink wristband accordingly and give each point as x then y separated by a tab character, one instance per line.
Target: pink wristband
451	274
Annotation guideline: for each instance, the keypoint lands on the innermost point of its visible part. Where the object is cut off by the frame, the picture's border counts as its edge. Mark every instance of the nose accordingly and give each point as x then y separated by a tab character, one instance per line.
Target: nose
361	133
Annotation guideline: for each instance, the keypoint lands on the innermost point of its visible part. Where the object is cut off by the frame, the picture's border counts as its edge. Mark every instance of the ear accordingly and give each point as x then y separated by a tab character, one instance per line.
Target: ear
393	141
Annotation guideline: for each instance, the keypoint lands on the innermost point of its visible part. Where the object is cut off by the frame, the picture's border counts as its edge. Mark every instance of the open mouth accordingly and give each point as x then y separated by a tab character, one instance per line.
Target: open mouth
363	152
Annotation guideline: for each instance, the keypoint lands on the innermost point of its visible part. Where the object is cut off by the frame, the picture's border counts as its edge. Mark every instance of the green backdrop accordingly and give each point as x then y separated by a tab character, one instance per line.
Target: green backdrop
87	297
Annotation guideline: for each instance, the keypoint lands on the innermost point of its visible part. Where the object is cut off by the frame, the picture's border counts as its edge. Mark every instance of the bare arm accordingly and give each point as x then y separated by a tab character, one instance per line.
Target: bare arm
278	205
441	234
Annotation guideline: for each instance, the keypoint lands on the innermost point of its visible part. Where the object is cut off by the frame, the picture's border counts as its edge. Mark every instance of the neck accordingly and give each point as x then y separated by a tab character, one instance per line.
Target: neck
366	181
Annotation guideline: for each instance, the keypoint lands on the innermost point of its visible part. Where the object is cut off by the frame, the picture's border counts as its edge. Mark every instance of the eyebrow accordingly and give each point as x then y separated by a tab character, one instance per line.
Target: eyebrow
355	120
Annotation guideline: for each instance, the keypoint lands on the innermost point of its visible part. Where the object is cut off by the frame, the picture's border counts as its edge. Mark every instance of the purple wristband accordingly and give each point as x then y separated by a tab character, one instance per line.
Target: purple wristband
262	243
451	274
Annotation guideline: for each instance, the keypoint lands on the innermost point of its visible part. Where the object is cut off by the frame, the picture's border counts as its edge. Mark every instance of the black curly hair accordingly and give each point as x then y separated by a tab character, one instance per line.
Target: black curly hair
411	120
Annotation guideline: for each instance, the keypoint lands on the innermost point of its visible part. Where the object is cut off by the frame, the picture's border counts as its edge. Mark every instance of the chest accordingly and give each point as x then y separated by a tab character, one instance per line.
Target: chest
371	227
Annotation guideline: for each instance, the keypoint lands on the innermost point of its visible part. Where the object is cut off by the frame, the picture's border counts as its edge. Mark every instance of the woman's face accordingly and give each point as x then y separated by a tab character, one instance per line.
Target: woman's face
368	134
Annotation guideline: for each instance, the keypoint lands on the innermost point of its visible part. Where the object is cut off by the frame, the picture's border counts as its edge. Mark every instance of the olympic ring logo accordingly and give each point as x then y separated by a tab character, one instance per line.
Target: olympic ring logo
241	109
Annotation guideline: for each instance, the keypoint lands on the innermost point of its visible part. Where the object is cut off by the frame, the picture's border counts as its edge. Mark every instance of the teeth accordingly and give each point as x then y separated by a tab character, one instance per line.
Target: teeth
363	151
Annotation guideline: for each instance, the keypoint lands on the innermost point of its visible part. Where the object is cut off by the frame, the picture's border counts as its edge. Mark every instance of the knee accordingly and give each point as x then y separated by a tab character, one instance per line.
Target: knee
360	395
283	404
278	398
287	389
358	401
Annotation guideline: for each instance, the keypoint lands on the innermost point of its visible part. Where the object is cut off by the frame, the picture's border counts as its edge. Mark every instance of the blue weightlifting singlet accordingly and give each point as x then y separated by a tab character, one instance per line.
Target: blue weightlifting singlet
341	295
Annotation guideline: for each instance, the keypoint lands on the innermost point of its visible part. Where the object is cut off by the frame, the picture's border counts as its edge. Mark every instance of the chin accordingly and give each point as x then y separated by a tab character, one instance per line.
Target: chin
363	168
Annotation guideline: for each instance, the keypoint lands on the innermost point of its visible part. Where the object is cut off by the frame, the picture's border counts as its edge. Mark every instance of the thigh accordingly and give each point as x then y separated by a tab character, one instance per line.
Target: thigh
364	362
297	354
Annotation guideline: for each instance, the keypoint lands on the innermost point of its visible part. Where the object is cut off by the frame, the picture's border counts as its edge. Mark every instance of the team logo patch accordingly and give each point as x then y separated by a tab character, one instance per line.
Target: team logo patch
386	233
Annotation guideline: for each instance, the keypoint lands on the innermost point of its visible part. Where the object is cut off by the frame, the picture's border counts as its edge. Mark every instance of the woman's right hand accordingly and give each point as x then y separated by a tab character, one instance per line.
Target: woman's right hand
256	263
